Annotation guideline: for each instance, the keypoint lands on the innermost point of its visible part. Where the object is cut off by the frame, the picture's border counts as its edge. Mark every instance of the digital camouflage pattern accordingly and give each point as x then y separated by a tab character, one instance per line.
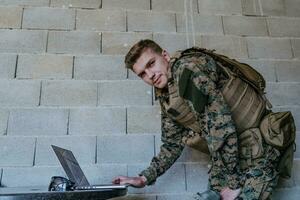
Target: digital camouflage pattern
219	131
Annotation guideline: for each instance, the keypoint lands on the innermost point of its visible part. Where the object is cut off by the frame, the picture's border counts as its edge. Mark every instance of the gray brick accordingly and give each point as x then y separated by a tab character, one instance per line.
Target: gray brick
120	43
74	42
128	4
228	7
30	176
69	93
136	197
97	121
3	121
104	173
125	149
283	94
273	7
101	20
16	151
22	41
182	196
10	17
175	6
38	122
7	66
284	27
196	177
132	75
204	24
251	7
25	2
166	41
288	71
84	151
104	67
128	92
241	25
19	93
287	193
49	18
173	181
151	21
229	45
265	67
269	48
292	8
76	3
296	47
143	119
44	66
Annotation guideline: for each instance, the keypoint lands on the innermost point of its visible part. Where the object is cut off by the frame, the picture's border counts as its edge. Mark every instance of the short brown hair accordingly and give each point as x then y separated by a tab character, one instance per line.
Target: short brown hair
136	51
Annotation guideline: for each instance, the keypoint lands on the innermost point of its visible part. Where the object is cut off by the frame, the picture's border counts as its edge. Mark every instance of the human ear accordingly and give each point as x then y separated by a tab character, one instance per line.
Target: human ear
166	55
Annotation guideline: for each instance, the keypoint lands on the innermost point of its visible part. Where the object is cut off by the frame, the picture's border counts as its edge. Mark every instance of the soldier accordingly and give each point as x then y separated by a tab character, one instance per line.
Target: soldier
199	92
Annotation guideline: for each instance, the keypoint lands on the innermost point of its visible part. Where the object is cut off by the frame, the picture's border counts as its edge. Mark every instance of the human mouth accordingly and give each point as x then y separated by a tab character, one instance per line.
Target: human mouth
157	80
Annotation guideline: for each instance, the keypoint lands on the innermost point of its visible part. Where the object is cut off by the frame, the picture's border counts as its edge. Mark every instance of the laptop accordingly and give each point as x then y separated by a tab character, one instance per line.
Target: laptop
76	175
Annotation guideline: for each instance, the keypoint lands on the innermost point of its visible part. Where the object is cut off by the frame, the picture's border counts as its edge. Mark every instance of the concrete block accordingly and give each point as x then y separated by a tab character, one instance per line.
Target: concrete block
284	27
292	8
97	121
125	149
171	42
44	66
7	66
144	119
228	7
297	152
69	93
74	42
103	173
101	20
181	196
30	176
278	48
25	2
204	24
76	3
104	67
128	4
241	25
287	193
136	197
16	151
22	41
3	121
38	122
196	177
10	17
127	92
283	94
49	18
83	148
151	21
120	43
175	6
251	7
231	46
296	47
273	7
265	67
295	172
132	75
173	181
19	93
288	71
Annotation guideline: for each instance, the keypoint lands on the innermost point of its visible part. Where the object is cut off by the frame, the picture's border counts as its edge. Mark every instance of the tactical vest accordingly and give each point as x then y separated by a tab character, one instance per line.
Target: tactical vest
243	90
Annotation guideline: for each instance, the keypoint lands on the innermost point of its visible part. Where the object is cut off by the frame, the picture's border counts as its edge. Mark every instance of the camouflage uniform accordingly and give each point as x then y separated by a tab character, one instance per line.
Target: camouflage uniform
217	127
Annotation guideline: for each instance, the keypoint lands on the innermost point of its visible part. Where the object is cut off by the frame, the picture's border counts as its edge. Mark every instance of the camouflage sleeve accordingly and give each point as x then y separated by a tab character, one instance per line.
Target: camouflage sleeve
170	150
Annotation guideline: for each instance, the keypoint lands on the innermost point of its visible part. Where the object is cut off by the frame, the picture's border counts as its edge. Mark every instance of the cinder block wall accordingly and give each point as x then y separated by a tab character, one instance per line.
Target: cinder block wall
63	82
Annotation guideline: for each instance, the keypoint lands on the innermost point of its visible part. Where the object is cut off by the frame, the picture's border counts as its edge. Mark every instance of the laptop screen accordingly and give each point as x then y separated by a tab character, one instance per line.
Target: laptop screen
71	166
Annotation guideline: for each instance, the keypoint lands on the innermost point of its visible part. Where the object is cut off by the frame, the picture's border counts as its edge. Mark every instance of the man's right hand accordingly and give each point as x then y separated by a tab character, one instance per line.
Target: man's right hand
138	182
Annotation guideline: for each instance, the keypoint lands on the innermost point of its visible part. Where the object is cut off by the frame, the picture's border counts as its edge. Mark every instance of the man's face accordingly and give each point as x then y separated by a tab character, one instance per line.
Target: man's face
153	68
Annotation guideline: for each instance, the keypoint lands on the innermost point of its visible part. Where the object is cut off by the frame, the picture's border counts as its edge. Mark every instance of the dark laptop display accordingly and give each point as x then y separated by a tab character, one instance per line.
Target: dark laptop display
74	172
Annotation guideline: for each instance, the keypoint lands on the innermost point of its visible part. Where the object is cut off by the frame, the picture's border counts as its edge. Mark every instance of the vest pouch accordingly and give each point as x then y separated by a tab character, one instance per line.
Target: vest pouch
278	129
286	162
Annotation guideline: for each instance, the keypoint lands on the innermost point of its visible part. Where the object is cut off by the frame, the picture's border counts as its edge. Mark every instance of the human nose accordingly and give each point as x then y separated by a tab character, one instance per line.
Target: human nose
149	73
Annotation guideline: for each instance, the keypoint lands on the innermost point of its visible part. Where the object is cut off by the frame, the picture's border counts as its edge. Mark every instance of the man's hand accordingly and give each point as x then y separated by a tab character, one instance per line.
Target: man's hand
228	194
137	182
